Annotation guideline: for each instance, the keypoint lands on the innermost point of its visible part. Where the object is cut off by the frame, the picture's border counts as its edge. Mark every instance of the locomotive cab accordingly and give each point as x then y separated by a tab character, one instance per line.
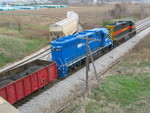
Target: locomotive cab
121	30
133	29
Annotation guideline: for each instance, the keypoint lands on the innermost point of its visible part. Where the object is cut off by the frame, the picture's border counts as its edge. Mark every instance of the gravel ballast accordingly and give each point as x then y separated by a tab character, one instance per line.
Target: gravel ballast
53	99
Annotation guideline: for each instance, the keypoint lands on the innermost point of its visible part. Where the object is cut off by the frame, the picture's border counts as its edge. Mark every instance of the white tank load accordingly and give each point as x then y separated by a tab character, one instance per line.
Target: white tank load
65	27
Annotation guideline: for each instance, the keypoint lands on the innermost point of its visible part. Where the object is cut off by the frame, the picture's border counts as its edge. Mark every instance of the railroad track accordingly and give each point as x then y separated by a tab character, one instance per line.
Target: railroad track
45	54
143	26
140	26
140	22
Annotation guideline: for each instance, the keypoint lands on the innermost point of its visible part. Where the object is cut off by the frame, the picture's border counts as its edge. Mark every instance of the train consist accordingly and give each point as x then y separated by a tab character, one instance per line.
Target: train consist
65	27
68	53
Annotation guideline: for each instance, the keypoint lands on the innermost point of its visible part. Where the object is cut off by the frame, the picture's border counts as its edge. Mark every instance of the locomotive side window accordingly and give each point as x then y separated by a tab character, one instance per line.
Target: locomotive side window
56	49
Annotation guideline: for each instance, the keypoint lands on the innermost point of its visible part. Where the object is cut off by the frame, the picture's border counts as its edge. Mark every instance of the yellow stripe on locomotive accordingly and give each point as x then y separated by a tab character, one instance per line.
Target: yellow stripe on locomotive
111	31
121	29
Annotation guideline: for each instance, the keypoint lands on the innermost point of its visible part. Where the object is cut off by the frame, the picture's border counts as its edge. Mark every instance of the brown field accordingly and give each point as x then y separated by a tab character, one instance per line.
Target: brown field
35	23
40	19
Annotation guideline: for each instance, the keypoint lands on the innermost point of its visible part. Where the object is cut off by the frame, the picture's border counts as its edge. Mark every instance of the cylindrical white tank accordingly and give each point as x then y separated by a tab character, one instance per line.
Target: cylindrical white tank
64	27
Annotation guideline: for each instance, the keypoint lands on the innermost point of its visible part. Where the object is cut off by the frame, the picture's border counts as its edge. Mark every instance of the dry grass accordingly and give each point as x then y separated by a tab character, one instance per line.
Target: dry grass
37	21
45	17
137	62
127	92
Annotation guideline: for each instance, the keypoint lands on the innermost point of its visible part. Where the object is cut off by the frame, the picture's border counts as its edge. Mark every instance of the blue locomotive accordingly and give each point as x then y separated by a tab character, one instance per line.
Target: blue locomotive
70	52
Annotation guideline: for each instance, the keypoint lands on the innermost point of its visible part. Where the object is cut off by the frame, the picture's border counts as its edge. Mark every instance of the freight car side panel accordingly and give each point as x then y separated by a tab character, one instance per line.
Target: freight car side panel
52	71
34	81
11	93
19	89
42	77
3	93
28	84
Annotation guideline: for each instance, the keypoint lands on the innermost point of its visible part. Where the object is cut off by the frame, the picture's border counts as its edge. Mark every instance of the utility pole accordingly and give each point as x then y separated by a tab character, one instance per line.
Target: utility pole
89	53
87	64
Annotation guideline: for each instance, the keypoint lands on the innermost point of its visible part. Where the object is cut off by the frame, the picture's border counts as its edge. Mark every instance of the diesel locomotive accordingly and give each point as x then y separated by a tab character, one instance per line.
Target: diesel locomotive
121	30
69	52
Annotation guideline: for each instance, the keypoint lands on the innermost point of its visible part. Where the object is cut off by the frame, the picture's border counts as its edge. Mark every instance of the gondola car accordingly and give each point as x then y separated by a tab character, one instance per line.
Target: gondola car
20	82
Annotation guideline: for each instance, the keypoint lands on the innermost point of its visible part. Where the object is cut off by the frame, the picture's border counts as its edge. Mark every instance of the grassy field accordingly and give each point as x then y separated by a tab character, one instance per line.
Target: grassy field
12	49
128	91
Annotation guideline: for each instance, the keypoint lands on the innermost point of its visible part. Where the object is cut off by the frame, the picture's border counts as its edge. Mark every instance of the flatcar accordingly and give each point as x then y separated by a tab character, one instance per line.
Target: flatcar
19	82
121	30
70	51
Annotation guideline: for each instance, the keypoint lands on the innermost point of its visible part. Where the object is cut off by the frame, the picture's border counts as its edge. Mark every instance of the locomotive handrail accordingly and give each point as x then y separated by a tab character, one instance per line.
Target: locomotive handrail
66	61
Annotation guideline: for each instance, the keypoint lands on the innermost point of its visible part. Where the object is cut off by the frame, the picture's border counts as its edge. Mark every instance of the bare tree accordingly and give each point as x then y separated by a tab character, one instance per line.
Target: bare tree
83	1
18	22
101	2
60	1
4	3
120	10
129	2
35	2
142	6
124	5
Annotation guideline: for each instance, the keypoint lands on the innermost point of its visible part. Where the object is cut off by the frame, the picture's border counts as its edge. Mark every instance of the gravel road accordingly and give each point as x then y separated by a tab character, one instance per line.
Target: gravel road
61	93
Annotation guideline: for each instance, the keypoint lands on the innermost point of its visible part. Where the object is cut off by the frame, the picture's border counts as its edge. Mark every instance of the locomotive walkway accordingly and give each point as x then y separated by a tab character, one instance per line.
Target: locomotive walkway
59	95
